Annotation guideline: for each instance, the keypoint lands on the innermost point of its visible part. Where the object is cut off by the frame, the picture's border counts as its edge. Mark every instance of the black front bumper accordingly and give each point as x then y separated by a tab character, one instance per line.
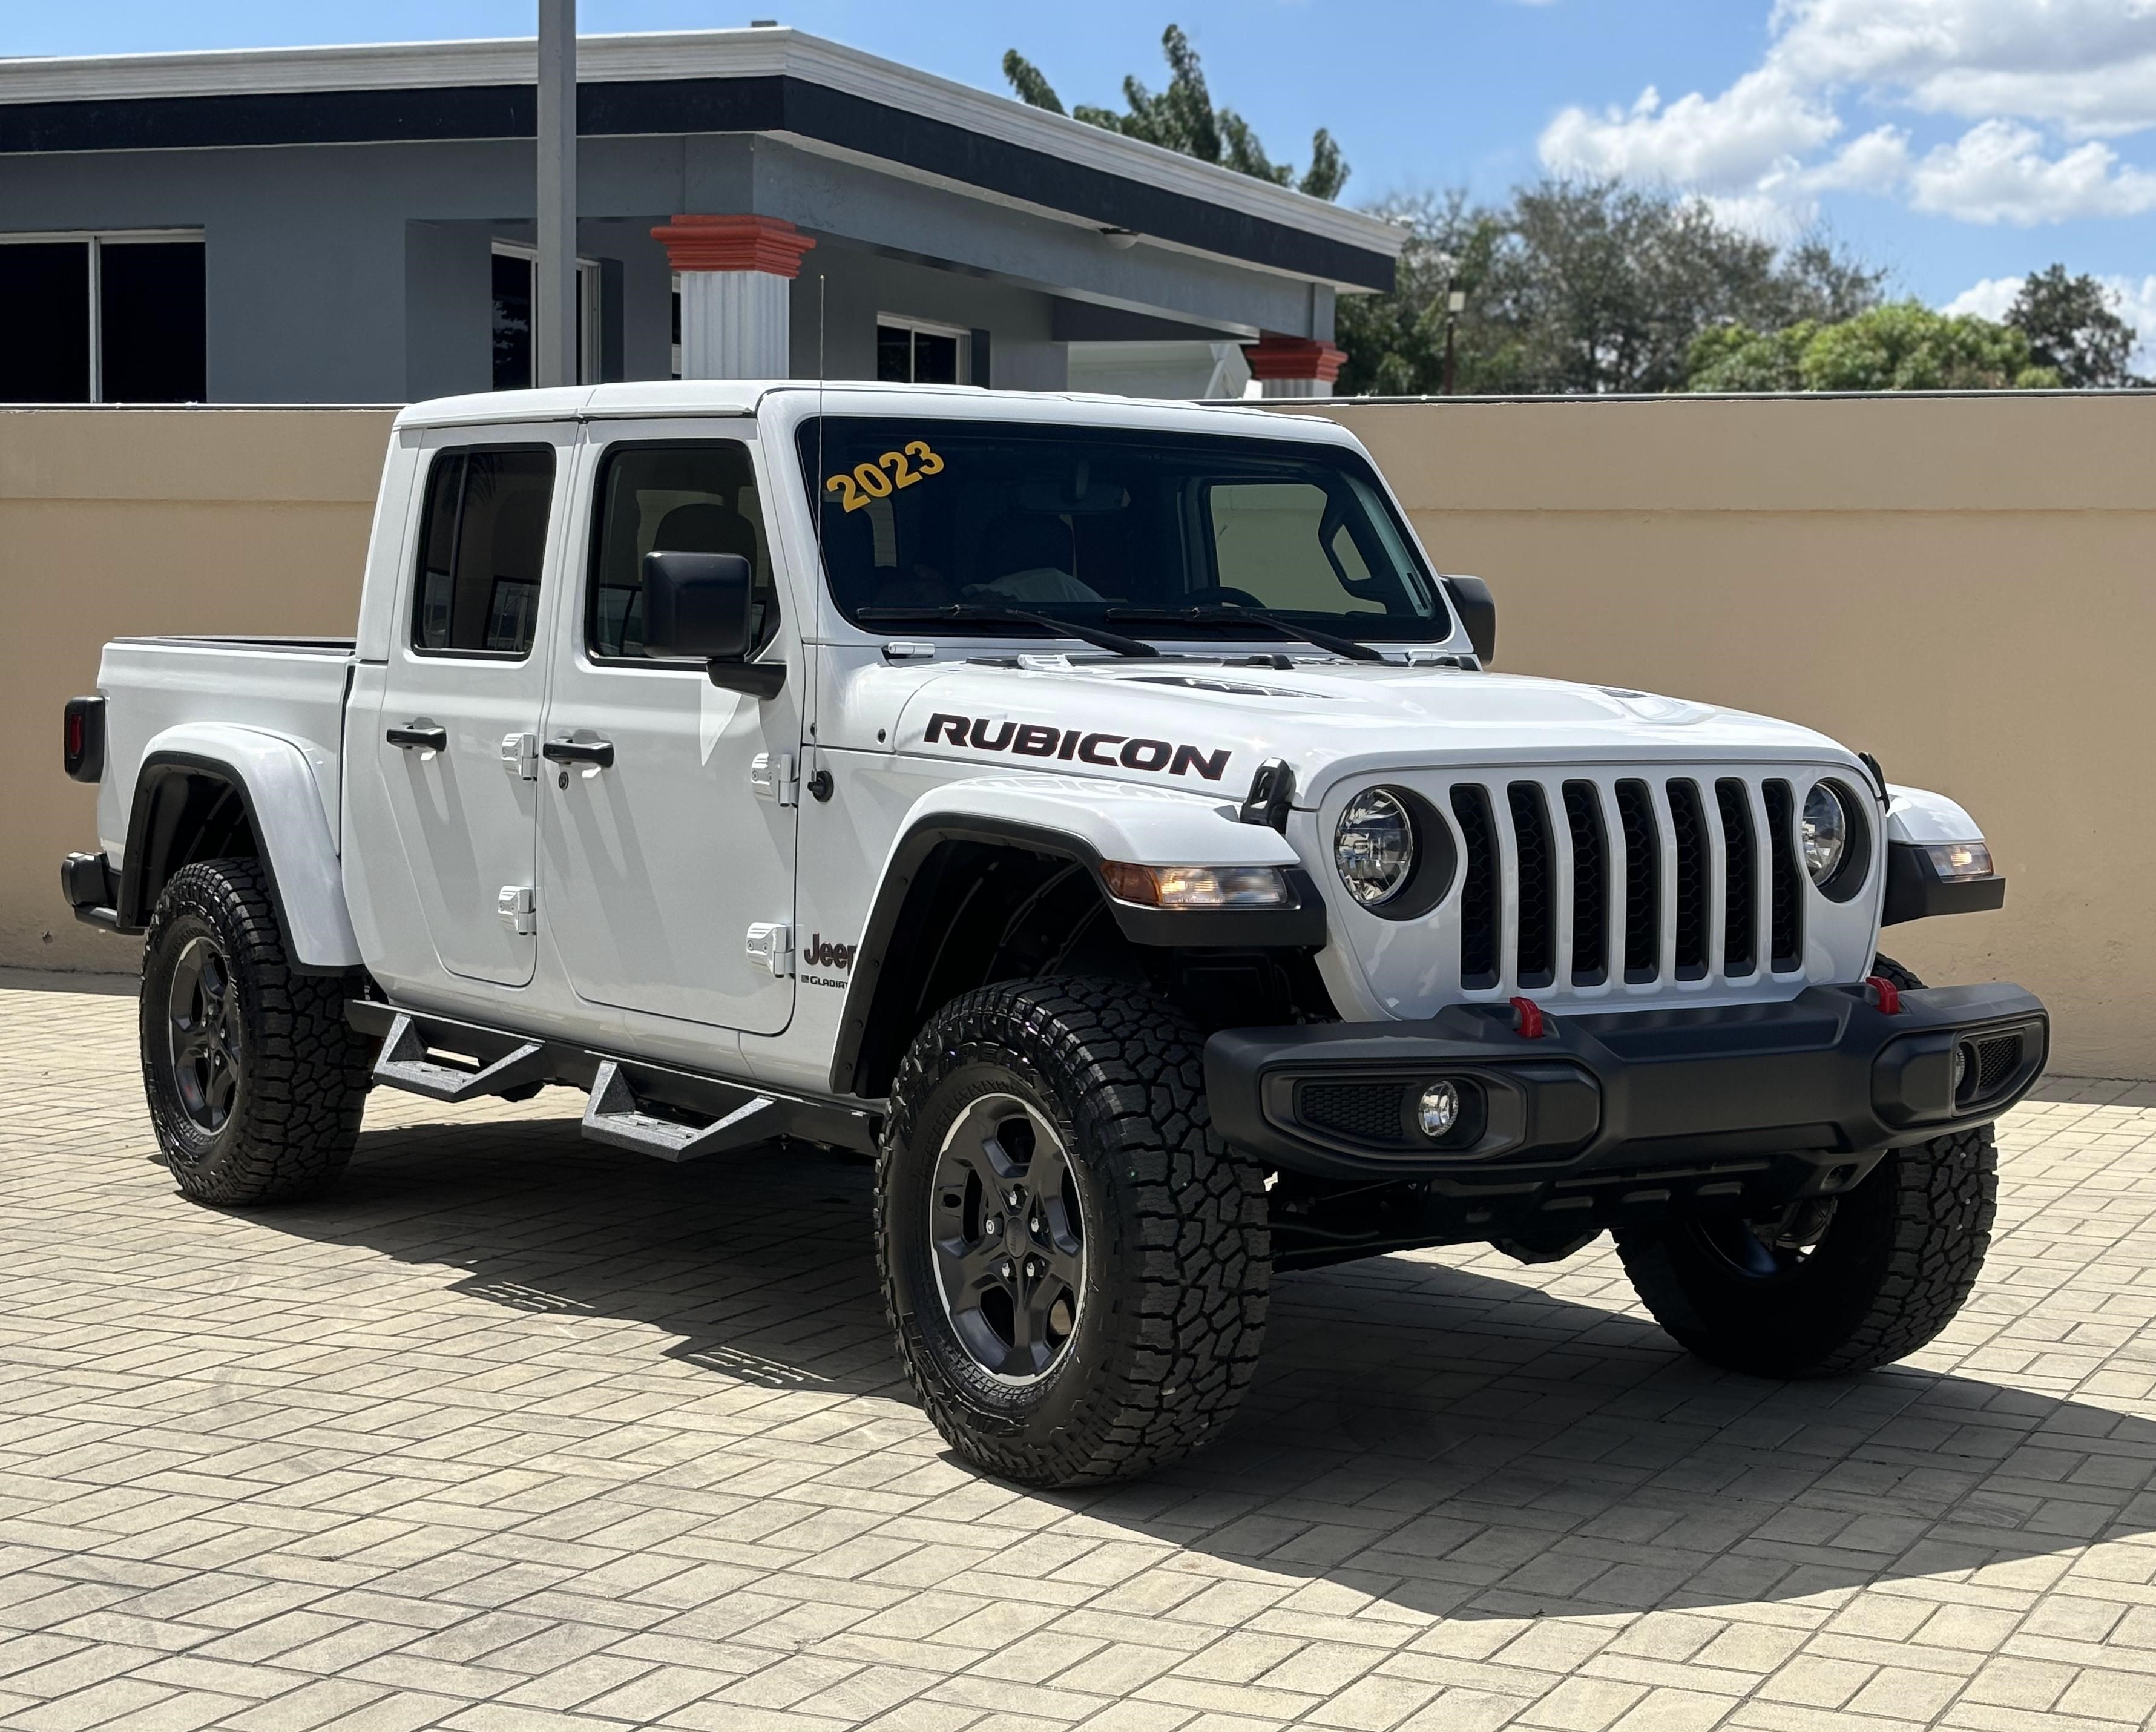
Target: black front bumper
1654	1108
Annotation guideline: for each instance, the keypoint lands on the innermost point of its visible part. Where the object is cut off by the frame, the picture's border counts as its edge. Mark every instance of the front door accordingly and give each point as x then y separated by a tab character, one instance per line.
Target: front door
667	816
461	702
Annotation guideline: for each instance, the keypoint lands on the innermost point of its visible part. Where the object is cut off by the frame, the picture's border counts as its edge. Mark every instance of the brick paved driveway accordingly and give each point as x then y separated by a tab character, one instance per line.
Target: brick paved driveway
516	1432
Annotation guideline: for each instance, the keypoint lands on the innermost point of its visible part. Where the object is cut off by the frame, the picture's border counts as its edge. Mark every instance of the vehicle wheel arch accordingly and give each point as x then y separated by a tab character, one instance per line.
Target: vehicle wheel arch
243	794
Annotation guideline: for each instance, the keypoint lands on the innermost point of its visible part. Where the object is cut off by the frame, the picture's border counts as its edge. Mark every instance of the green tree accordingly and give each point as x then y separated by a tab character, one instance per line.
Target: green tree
1182	118
1579	286
2073	327
1902	346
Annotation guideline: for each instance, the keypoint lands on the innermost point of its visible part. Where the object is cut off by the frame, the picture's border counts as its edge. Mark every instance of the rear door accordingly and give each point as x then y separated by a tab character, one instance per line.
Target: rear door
657	864
453	742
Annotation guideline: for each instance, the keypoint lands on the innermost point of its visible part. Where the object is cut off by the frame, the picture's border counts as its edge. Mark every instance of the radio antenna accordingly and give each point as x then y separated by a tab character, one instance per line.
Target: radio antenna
816	487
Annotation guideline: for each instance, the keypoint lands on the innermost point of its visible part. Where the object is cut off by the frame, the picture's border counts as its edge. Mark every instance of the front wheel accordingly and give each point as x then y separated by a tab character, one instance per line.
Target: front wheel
1074	1265
1829	1285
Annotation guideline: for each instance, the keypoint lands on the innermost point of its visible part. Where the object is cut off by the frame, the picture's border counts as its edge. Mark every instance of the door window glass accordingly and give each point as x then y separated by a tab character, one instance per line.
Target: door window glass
483	541
698	498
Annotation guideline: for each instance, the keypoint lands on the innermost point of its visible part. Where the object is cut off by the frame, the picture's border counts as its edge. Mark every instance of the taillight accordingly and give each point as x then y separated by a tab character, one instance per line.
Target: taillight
82	740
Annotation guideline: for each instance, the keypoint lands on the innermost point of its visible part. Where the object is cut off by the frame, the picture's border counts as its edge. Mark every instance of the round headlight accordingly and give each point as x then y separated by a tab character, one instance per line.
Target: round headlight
1823	832
1374	847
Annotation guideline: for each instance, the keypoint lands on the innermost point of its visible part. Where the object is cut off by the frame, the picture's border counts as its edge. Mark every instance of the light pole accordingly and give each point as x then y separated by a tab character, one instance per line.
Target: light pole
554	286
1455	303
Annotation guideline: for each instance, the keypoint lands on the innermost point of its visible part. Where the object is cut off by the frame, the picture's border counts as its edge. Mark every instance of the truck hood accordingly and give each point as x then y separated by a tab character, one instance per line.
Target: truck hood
1205	727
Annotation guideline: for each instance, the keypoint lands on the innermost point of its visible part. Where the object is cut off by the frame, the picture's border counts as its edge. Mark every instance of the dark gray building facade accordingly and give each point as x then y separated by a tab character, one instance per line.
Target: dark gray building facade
356	224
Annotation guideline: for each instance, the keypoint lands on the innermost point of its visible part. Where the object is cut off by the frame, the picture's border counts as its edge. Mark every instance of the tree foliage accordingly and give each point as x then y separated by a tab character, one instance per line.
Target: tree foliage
2073	326
1182	118
1585	286
1902	346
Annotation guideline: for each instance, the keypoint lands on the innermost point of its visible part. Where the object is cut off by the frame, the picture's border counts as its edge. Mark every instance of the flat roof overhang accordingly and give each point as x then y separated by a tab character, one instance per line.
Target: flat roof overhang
772	81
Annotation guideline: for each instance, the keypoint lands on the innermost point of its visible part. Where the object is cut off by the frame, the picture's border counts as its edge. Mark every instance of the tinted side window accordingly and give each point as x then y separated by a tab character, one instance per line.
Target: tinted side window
482	543
676	499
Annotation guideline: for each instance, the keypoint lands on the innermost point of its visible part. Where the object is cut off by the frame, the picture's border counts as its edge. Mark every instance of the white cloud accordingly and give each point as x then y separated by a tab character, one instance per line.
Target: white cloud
1997	172
1988	299
2027	72
1710	143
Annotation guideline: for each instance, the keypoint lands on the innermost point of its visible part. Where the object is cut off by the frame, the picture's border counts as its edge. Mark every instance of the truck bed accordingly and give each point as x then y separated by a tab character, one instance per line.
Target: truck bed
293	687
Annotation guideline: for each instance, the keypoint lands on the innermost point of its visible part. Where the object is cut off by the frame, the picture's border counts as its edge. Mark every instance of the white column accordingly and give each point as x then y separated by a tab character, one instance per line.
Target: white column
737	275
735	325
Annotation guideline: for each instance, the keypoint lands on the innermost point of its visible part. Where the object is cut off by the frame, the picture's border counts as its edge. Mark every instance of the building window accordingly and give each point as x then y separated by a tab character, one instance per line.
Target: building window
115	318
514	265
911	352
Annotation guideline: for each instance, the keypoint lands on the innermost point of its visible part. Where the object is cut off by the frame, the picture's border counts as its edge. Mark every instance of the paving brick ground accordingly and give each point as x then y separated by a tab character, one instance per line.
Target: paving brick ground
515	1431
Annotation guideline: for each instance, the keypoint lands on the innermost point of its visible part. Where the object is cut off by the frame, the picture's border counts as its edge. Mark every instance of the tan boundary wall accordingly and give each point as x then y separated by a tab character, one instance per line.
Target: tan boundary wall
1965	586
120	522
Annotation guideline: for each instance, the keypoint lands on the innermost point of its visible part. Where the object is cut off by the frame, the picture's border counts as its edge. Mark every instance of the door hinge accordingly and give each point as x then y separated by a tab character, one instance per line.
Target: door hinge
518	906
775	776
771	943
520	755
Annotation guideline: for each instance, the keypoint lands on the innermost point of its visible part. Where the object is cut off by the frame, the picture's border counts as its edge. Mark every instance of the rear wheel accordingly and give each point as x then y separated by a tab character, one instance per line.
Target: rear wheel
1074	1265
1829	1285
255	1083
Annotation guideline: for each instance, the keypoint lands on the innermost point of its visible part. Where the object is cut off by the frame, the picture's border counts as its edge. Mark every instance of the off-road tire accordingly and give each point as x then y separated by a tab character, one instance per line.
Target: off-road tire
1177	1262
1896	1262
295	1111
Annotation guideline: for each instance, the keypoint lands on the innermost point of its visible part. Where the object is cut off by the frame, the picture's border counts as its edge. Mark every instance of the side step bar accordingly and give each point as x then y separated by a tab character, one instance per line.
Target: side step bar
616	1114
676	1115
407	1062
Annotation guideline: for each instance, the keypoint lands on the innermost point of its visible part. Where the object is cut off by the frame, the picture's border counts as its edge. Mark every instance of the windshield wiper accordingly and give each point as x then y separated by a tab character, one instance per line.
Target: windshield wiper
1251	616
1013	616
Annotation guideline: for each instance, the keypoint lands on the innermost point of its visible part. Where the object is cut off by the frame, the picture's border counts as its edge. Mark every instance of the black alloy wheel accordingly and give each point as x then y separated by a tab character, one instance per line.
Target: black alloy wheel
202	1027
254	1080
1007	1225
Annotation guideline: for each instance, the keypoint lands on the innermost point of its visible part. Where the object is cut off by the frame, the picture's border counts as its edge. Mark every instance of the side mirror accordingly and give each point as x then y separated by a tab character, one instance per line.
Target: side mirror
1478	614
702	606
697	605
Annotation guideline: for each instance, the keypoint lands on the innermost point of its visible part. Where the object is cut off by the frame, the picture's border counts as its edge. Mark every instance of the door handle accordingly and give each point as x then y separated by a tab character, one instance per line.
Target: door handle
422	736
592	752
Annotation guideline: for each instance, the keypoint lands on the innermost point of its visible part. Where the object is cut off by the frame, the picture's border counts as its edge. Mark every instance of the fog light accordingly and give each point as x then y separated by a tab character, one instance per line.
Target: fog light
1437	1110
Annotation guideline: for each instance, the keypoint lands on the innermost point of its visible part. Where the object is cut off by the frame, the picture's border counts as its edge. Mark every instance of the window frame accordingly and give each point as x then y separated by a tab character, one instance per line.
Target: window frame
589	278
588	613
418	563
962	335
95	240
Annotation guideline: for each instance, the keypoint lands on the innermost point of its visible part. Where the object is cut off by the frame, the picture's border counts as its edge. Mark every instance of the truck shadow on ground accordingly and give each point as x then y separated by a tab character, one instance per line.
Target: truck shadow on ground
1460	1442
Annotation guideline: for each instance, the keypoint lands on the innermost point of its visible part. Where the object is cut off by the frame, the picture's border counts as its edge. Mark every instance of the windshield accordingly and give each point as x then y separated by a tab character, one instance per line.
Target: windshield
1098	527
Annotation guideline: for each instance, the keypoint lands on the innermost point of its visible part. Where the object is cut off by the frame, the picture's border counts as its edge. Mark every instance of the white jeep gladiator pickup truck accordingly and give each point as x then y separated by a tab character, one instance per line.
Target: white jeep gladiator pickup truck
1101	811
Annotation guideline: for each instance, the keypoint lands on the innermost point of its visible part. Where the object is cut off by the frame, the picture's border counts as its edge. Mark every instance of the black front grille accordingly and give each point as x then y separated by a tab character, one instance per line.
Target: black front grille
1688	820
1365	1111
1530	837
1478	887
1643	881
1590	885
1784	912
1739	911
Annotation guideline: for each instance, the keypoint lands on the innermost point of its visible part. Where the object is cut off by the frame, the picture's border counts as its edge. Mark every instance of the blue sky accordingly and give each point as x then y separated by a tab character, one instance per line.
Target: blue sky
1959	142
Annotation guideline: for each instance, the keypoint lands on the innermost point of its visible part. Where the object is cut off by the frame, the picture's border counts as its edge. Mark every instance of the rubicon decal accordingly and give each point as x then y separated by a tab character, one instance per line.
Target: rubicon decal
1076	745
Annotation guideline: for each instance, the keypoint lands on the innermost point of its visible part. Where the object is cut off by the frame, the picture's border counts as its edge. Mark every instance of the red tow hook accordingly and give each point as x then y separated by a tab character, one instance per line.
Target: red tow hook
1528	1019
1888	995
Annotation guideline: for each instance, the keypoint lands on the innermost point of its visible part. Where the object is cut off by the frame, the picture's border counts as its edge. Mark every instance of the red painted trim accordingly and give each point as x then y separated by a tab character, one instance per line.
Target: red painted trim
764	243
1294	357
